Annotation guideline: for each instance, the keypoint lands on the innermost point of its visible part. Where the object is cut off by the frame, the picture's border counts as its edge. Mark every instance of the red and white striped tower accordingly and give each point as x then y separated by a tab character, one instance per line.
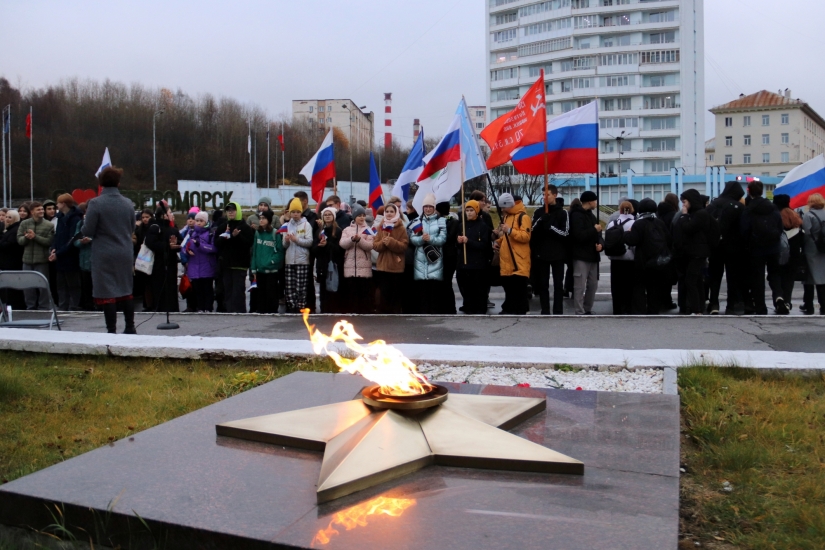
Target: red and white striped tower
387	121
416	129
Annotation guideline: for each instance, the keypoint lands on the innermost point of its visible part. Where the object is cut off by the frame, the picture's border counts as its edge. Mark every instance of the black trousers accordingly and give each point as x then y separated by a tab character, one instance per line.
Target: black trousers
234	288
622	281
165	287
732	265
756	280
409	302
691	283
447	292
311	298
358	292
428	293
647	291
516	301
808	300
785	274
203	294
267	292
390	291
542	270
474	286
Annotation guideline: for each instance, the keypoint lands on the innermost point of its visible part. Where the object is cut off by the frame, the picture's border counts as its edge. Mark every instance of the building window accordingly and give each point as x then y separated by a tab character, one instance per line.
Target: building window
786	119
479	125
567	106
728	159
566	86
766	157
766	120
728	141
710	157
746	159
766	139
661	166
504	74
329	108
506	18
608	105
623	104
662	16
535	70
663	37
746	121
479	113
311	108
329	119
663	56
663	123
786	138
505	36
747	140
728	121
786	157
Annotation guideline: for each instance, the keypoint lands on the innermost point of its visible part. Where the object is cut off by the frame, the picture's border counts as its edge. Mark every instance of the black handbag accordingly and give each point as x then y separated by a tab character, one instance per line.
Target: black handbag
432	253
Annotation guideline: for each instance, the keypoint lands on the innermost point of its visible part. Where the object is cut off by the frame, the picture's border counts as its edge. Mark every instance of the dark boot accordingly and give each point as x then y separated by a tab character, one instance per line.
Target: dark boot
129	317
110	315
820	294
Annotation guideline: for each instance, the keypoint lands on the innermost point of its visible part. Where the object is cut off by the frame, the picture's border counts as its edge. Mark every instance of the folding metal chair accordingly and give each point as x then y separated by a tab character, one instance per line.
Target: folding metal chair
25	280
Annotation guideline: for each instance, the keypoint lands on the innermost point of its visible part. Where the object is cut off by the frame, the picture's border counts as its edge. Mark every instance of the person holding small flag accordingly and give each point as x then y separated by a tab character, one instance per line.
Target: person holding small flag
329	255
297	240
428	234
391	243
202	266
267	261
357	242
473	276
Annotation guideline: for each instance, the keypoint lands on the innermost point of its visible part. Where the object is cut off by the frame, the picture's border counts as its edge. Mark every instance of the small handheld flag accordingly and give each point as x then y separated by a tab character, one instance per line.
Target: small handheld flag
284	228
226	234
416	227
369	231
105	163
252	286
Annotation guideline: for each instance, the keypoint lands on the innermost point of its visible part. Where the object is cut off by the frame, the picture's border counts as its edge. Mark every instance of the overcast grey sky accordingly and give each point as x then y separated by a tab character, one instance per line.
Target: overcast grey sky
428	52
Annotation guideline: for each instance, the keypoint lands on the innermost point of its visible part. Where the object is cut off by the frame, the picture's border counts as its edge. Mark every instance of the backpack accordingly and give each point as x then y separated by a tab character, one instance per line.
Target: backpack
614	240
764	230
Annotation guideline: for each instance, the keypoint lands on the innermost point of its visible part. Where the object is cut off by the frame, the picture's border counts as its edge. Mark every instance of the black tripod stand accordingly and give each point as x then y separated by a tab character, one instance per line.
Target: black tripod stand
168	325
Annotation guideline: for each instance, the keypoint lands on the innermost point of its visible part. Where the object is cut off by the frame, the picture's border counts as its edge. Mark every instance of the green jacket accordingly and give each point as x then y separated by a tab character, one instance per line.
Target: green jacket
267	252
35	251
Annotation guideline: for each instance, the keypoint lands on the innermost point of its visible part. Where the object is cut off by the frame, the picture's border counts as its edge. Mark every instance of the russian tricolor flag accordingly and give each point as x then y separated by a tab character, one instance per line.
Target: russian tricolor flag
376	192
572	145
284	228
803	181
320	169
442	169
368	231
416	227
448	150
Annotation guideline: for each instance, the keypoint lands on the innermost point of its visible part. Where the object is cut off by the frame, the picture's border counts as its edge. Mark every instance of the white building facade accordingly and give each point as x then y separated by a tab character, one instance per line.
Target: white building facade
478	118
642	60
340	113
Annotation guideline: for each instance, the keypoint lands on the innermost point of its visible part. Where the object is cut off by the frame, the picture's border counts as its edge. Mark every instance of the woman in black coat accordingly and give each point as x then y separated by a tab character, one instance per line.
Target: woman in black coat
164	240
11	259
327	248
473	276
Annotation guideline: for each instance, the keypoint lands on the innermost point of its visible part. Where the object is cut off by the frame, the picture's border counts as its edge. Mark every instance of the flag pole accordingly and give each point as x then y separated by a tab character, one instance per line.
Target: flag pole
249	145
3	132
463	215
283	164
31	153
10	203
269	128
546	180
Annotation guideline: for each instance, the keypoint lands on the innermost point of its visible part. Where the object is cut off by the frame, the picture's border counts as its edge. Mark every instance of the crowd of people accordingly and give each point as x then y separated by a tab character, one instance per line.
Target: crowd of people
400	261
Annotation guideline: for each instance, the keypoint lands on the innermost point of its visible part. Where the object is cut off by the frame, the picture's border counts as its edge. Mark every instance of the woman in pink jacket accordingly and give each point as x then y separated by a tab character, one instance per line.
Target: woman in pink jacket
356	240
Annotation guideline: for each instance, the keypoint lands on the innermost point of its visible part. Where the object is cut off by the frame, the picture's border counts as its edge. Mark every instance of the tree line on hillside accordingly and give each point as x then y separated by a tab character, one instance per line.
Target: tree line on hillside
198	138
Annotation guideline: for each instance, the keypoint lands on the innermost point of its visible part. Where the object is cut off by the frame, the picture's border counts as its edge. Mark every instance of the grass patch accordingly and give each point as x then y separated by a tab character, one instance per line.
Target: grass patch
54	407
754	453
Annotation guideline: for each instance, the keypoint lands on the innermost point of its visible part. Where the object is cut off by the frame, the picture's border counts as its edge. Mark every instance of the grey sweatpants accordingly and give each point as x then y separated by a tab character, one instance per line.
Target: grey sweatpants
585	285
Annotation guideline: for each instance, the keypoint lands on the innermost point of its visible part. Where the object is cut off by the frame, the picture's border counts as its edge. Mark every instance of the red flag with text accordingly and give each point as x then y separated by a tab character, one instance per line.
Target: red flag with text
29	125
524	125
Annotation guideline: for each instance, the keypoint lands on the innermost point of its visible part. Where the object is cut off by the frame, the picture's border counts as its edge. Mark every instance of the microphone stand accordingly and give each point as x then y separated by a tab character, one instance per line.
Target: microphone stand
168	325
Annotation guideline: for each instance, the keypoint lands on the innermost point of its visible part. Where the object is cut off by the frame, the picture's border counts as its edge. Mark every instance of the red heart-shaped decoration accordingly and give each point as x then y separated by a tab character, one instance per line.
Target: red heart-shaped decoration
83	195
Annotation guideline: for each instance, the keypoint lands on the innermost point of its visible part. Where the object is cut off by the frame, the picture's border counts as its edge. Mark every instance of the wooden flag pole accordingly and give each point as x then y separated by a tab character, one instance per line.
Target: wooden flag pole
463	215
546	179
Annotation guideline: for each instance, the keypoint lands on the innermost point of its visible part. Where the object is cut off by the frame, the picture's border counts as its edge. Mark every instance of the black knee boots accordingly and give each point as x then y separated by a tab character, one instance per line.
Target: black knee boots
129	317
110	314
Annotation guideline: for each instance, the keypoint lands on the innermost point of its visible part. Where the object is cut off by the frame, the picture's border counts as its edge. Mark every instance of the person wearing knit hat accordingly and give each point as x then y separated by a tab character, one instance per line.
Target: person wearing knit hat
267	263
194	210
65	257
49	209
549	244
297	241
185	234
234	239
512	239
202	264
586	237
202	217
473	275
428	236
357	242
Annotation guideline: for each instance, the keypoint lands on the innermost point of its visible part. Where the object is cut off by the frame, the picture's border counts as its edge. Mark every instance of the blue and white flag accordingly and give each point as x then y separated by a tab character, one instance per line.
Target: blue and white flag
412	169
105	163
474	164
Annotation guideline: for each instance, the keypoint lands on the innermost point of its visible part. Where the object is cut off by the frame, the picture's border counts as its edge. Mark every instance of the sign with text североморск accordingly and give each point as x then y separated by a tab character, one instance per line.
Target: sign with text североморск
177	202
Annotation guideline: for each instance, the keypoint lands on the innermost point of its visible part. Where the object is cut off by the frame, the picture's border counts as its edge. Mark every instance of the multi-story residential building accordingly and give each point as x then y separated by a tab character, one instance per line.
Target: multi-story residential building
766	134
643	60
710	152
340	113
478	118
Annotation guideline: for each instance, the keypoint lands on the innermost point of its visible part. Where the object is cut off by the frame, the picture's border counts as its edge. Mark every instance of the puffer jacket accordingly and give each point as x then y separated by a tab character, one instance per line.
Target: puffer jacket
203	264
391	246
436	227
297	252
85	250
519	240
357	259
36	251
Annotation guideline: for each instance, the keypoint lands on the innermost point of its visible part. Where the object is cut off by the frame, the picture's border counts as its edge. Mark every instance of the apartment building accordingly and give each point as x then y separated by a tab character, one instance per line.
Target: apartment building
642	60
766	134
478	118
341	113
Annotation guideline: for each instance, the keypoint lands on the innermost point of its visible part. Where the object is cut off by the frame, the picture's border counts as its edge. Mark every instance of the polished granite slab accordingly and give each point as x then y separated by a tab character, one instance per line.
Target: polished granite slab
193	489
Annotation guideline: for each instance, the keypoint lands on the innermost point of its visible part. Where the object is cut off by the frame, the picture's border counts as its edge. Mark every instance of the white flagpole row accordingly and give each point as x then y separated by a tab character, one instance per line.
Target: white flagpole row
31	153
3	133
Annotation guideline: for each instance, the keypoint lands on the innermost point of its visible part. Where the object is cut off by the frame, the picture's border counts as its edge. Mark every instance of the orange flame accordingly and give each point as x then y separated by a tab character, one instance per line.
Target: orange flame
377	362
356	516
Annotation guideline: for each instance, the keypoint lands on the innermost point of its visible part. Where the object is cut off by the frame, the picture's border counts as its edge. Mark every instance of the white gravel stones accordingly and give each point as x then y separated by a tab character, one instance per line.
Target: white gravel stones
634	381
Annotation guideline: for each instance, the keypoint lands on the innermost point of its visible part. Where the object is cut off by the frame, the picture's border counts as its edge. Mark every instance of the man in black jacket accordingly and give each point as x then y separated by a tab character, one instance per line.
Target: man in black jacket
761	228
449	258
652	257
587	244
728	258
695	233
343	219
548	244
234	239
65	255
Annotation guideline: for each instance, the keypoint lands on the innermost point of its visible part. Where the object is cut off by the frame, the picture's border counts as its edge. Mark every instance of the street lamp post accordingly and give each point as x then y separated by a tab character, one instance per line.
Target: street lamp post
345	106
154	149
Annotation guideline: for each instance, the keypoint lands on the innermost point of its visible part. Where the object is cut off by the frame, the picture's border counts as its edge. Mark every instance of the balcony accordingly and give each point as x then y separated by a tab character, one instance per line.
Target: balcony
507	83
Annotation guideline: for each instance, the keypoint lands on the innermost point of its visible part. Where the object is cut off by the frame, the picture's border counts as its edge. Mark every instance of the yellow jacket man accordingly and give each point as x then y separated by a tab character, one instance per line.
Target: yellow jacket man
513	242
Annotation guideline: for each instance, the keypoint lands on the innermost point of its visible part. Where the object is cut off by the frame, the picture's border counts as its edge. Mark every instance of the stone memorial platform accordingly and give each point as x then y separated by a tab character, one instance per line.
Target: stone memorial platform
178	485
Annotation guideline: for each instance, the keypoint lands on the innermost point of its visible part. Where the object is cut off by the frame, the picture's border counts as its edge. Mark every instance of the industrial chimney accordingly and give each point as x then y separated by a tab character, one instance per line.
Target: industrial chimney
416	129
387	121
